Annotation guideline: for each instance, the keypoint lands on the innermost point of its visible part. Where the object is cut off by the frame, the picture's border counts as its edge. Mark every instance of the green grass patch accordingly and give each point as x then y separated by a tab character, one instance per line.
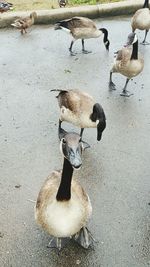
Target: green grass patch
48	4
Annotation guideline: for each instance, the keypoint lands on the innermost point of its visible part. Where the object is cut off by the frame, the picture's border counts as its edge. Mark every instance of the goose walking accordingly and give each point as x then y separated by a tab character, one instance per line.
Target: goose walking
141	20
128	63
80	109
63	208
82	28
24	23
5	6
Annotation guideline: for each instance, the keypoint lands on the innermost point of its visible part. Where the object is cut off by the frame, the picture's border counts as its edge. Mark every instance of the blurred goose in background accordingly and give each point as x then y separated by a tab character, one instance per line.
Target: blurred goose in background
82	28
141	20
62	3
5	6
24	23
80	109
63	208
128	63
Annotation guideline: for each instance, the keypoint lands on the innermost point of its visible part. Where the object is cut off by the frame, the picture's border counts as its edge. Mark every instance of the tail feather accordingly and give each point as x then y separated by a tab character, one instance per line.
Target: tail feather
58	90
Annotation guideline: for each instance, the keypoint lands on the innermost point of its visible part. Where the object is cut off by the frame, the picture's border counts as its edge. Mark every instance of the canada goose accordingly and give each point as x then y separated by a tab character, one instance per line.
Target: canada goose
63	208
82	28
24	23
141	20
5	6
62	3
128	63
80	109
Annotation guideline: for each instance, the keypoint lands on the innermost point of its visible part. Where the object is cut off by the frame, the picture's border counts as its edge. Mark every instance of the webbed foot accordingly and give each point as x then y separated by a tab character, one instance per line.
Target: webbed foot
72	54
86	51
112	86
145	43
126	93
85	145
58	243
84	238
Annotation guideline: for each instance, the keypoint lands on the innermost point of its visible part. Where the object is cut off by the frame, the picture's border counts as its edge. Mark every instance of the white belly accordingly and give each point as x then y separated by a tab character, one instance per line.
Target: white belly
143	20
65	218
131	69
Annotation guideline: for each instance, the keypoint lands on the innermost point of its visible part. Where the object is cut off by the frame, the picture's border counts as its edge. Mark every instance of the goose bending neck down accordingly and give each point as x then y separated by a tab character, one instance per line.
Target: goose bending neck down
80	109
63	208
128	63
141	20
82	28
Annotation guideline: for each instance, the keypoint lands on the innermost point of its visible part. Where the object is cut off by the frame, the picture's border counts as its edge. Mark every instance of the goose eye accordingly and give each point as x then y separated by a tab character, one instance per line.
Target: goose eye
64	141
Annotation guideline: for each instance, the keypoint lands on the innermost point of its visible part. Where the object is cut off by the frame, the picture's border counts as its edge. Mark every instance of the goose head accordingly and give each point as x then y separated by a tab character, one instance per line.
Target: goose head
132	38
98	116
101	125
71	148
105	39
33	15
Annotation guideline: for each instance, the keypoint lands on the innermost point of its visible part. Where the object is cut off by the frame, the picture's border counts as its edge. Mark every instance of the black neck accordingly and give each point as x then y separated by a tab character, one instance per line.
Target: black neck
146	4
64	190
135	51
98	113
105	32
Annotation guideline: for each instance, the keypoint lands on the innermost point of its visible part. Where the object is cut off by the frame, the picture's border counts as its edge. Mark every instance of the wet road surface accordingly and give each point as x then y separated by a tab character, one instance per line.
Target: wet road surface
115	172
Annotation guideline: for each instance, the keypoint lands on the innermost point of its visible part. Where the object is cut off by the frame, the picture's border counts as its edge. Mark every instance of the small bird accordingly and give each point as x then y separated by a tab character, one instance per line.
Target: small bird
5	6
63	207
80	109
128	63
24	23
62	3
141	20
82	28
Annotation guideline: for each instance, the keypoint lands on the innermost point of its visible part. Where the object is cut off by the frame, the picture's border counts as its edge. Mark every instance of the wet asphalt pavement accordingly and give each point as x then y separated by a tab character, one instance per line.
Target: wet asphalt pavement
115	172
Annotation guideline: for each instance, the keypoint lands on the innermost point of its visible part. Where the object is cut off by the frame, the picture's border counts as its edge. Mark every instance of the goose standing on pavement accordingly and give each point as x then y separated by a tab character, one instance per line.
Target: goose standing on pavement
128	63
5	6
63	208
82	28
80	109
23	23
141	20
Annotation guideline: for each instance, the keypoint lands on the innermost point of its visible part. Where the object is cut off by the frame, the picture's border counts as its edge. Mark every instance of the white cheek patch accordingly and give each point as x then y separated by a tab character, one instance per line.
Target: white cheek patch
61	148
97	122
135	39
65	29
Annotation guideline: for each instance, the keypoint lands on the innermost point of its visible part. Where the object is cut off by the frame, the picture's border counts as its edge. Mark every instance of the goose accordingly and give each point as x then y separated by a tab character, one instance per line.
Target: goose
141	20
128	63
82	28
79	108
63	208
5	6
62	3
24	23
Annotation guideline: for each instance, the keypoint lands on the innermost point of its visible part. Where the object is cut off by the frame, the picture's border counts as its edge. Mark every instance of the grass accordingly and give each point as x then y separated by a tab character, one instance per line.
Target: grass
48	4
